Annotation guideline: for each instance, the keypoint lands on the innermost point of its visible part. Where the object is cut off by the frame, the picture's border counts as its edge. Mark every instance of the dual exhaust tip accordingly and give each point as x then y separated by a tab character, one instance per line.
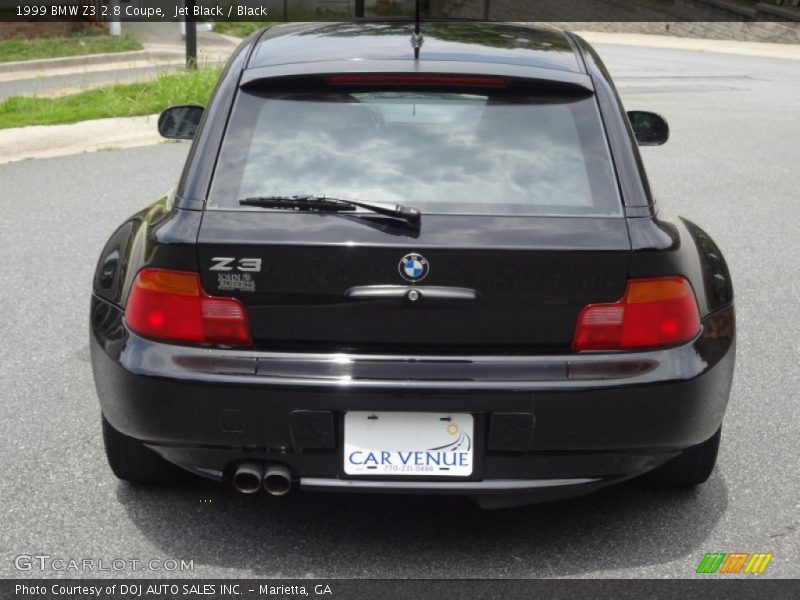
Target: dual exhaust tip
250	477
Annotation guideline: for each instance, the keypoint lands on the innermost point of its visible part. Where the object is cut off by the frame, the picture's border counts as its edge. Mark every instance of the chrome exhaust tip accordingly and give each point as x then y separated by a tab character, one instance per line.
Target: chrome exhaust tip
277	480
248	477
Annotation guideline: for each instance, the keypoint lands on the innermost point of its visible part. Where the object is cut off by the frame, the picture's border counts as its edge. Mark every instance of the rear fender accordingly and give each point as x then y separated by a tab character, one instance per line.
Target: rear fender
664	247
157	236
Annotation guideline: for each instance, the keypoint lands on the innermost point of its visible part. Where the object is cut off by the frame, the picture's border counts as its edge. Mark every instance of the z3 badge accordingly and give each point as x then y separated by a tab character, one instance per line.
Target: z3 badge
235	275
247	265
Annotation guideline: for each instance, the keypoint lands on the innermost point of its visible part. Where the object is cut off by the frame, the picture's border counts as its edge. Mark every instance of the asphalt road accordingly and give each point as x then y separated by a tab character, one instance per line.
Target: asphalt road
731	166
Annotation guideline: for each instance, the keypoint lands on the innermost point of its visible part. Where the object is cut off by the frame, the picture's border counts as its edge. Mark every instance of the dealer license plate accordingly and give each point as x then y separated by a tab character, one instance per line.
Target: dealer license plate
411	444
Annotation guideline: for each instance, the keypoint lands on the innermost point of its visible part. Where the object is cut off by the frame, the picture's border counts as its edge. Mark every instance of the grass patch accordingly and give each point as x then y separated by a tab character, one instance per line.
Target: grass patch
51	47
393	9
240	29
123	100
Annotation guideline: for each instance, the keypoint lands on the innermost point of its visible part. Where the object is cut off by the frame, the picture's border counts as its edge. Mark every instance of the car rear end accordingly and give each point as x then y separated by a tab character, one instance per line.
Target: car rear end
518	345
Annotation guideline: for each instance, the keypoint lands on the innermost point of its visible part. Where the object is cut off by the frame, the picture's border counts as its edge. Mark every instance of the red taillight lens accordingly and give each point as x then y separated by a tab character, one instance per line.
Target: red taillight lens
652	313
171	305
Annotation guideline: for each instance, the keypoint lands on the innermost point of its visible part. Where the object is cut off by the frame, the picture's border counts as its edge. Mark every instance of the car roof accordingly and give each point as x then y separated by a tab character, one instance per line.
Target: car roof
454	41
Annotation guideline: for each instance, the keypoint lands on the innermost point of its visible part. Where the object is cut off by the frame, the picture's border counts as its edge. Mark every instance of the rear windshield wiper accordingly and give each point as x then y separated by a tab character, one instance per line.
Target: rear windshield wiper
326	204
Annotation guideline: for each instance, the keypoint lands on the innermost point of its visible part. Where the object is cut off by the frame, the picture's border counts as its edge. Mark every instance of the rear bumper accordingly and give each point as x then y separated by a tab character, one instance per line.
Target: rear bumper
545	427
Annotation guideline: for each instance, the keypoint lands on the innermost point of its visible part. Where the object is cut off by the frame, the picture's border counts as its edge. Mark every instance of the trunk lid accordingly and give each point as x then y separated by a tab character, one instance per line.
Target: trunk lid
531	277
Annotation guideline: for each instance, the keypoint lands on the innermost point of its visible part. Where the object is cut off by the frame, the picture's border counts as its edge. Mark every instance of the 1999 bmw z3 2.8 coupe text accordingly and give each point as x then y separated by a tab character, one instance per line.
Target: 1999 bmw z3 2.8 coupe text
426	266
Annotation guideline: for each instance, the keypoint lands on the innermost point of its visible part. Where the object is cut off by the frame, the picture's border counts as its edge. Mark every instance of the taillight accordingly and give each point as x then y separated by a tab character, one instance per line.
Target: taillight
171	305
652	313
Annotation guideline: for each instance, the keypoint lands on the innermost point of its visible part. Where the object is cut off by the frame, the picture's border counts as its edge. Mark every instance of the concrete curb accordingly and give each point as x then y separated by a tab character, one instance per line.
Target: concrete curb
230	38
86	70
45	64
46	141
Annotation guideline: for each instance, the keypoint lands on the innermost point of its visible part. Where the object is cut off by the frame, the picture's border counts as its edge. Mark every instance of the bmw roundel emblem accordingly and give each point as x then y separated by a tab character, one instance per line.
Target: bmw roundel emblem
414	267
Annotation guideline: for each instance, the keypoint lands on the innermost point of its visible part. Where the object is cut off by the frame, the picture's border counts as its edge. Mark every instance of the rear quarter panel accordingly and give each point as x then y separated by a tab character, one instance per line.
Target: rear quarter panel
158	236
676	246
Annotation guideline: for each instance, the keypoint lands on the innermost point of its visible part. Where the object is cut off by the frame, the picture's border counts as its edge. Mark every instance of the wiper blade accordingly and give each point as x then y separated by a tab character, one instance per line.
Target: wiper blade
326	204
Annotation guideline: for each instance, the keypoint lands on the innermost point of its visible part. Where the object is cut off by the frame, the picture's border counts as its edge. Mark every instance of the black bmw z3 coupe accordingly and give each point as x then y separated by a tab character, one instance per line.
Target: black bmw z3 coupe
408	263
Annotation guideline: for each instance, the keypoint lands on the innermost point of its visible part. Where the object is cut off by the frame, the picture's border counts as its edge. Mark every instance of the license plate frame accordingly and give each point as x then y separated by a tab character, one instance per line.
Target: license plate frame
389	444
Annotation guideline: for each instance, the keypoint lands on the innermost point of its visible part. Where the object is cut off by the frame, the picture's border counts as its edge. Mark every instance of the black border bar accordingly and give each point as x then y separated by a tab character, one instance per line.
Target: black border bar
707	588
346	10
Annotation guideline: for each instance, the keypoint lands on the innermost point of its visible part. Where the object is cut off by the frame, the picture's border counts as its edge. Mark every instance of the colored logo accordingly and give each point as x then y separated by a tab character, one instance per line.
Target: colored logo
733	563
462	443
414	267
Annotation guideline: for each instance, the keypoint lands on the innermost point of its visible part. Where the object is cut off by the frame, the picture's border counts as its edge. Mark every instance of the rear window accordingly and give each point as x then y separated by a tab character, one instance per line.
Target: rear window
481	153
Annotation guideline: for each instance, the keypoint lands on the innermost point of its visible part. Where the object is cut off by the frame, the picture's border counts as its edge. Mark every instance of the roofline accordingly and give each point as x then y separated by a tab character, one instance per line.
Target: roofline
263	36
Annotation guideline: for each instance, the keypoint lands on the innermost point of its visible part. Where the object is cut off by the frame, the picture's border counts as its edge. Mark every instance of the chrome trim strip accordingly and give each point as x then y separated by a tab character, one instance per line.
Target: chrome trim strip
400	292
520	373
490	485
